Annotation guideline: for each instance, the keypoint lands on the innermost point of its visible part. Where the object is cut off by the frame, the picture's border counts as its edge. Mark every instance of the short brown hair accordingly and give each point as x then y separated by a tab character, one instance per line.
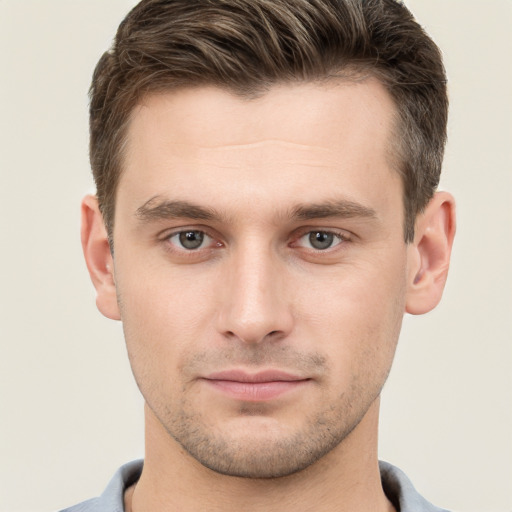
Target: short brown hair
246	46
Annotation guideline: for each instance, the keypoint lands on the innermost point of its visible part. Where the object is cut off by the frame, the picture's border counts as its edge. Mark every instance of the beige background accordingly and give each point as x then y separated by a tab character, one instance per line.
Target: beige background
70	413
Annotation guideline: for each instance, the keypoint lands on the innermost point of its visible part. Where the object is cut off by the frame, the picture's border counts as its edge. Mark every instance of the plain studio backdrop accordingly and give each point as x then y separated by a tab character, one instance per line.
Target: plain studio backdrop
70	413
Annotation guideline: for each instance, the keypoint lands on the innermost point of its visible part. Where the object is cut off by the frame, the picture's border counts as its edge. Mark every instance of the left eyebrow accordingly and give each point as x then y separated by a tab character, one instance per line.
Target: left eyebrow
339	209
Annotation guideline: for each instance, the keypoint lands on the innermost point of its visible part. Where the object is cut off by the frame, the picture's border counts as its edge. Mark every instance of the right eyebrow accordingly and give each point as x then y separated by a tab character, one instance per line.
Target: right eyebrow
161	209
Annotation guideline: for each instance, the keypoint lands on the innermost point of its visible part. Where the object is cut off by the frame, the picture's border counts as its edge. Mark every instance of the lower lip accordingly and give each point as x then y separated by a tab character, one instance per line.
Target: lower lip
255	391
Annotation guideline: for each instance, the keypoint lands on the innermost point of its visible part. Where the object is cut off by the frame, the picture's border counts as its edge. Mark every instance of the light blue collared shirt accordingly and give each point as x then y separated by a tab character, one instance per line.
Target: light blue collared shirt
397	486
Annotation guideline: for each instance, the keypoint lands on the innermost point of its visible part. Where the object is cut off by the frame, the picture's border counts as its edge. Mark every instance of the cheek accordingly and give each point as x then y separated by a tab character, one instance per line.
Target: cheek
162	318
164	300
359	320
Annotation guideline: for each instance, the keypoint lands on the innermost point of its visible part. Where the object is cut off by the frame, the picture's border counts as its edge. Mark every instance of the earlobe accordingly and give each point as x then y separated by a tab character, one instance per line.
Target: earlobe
429	254
98	258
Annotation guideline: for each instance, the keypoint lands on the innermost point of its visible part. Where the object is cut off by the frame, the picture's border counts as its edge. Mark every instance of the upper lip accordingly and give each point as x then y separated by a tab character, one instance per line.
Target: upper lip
261	376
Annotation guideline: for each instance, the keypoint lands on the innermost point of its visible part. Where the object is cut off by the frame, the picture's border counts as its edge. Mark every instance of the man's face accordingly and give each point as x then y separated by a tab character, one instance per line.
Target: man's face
260	268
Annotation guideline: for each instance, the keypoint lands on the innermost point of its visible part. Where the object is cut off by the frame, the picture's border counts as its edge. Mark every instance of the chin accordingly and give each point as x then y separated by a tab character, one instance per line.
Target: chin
260	447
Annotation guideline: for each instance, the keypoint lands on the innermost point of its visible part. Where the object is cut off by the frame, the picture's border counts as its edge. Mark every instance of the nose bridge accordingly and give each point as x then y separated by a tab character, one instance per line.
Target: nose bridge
254	302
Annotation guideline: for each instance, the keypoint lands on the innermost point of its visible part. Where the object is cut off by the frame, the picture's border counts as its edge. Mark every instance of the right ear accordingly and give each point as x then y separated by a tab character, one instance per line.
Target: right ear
99	258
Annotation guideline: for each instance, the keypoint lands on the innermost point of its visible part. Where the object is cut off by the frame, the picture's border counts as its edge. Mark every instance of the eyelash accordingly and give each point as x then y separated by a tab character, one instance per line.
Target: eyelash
337	237
202	233
340	237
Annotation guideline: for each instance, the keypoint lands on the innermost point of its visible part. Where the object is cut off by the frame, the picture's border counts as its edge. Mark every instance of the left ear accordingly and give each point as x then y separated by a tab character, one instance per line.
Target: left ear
429	254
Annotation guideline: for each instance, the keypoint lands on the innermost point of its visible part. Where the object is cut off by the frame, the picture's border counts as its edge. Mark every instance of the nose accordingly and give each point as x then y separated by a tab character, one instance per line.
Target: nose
255	305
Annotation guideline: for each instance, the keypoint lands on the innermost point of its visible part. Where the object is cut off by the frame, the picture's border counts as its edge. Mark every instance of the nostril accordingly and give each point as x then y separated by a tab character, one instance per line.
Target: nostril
252	338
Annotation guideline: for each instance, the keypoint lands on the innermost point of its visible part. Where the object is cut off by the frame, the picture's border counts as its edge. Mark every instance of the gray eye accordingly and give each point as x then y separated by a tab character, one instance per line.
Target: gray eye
321	239
191	239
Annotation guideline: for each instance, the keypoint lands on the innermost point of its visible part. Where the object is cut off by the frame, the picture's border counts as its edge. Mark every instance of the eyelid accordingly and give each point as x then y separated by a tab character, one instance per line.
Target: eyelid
167	234
205	241
216	241
341	233
338	238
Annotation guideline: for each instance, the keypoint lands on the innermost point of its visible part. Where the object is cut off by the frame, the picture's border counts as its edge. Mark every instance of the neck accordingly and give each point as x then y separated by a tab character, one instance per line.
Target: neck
346	479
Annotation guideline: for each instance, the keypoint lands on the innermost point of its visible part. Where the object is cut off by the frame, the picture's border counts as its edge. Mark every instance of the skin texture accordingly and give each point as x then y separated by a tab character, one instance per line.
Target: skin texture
260	185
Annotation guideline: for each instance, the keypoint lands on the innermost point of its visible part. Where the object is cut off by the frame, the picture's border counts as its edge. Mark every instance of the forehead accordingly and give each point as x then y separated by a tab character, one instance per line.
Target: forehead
296	139
198	112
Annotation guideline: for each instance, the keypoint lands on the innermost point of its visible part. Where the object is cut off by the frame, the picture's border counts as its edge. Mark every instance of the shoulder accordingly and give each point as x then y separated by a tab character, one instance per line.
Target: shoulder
401	492
112	498
86	506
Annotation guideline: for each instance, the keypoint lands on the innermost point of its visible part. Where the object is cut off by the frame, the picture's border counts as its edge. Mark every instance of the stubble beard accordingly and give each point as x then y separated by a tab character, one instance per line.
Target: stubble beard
279	448
244	454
